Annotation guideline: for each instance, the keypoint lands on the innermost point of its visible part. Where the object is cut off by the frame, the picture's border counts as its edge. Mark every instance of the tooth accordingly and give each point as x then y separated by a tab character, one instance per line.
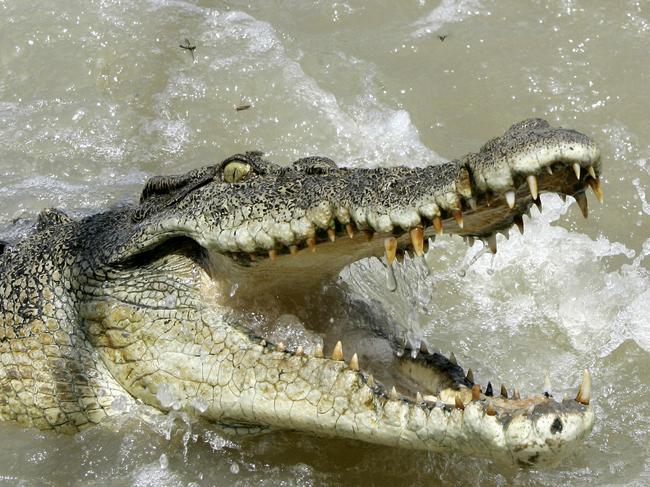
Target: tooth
273	254
430	398
418	398
369	234
576	169
350	229
459	403
581	198
519	221
311	243
547	384
595	186
504	392
280	347
515	394
354	362
562	197
470	376
370	380
318	352
532	184
417	240
490	411
488	390
391	282
470	240
549	170
538	204
263	343
476	392
337	353
591	171
472	203
299	351
390	245
584	391
393	394
437	223
423	348
331	233
492	242
458	216
510	199
293	249
452	358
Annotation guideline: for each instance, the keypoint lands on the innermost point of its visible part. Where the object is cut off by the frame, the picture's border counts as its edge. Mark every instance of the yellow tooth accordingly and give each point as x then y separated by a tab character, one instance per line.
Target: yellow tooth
337	353
393	394
490	411
532	184
472	203
452	358
470	376
515	394
519	221
280	347
299	351
576	169
584	391
459	403
510	199
504	392
370	380
350	229
437	223
581	198
318	351
354	362
458	216
293	249
549	170
598	191
390	245
418	398
263	343
311	243
492	243
476	392
591	171
273	254
417	239
331	233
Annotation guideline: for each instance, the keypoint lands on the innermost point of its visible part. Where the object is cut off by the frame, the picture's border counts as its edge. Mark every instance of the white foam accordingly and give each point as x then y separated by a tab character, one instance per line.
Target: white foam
448	12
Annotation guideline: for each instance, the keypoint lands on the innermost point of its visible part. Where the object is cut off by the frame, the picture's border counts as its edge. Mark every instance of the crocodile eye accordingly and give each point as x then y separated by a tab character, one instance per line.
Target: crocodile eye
236	171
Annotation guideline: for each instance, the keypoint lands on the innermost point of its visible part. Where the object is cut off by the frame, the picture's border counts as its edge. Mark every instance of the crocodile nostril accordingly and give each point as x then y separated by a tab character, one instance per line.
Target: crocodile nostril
556	427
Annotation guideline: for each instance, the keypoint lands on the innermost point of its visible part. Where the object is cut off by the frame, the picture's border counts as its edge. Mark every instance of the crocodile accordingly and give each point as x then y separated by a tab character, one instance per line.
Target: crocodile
152	300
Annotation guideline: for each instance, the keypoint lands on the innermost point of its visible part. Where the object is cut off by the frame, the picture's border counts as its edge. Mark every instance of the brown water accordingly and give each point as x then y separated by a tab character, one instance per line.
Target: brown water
97	96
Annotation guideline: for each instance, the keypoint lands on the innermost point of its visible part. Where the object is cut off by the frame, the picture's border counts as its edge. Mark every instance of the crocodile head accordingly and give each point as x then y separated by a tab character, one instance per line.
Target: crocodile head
159	308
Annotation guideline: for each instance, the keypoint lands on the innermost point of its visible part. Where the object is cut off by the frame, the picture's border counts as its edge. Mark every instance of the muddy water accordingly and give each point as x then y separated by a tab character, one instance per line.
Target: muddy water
97	96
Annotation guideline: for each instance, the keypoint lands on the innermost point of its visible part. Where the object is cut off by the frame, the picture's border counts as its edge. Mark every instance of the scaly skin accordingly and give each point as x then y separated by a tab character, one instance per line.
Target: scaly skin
124	303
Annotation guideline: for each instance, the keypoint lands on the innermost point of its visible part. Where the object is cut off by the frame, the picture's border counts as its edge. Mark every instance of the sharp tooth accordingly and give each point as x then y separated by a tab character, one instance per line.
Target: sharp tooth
549	170
273	254
576	169
354	362
393	394
470	376
581	198
311	243
492	242
370	380
369	234
510	199
318	352
293	249
331	233
418	398
584	392
488	390
280	347
437	223
299	351
458	216
350	229
547	384
390	245
515	394
452	358
476	392
538	204
504	392
459	403
337	353
598	191
532	185
263	343
591	171
391	282
417	240
472	203
562	197
490	411
519	221
470	240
